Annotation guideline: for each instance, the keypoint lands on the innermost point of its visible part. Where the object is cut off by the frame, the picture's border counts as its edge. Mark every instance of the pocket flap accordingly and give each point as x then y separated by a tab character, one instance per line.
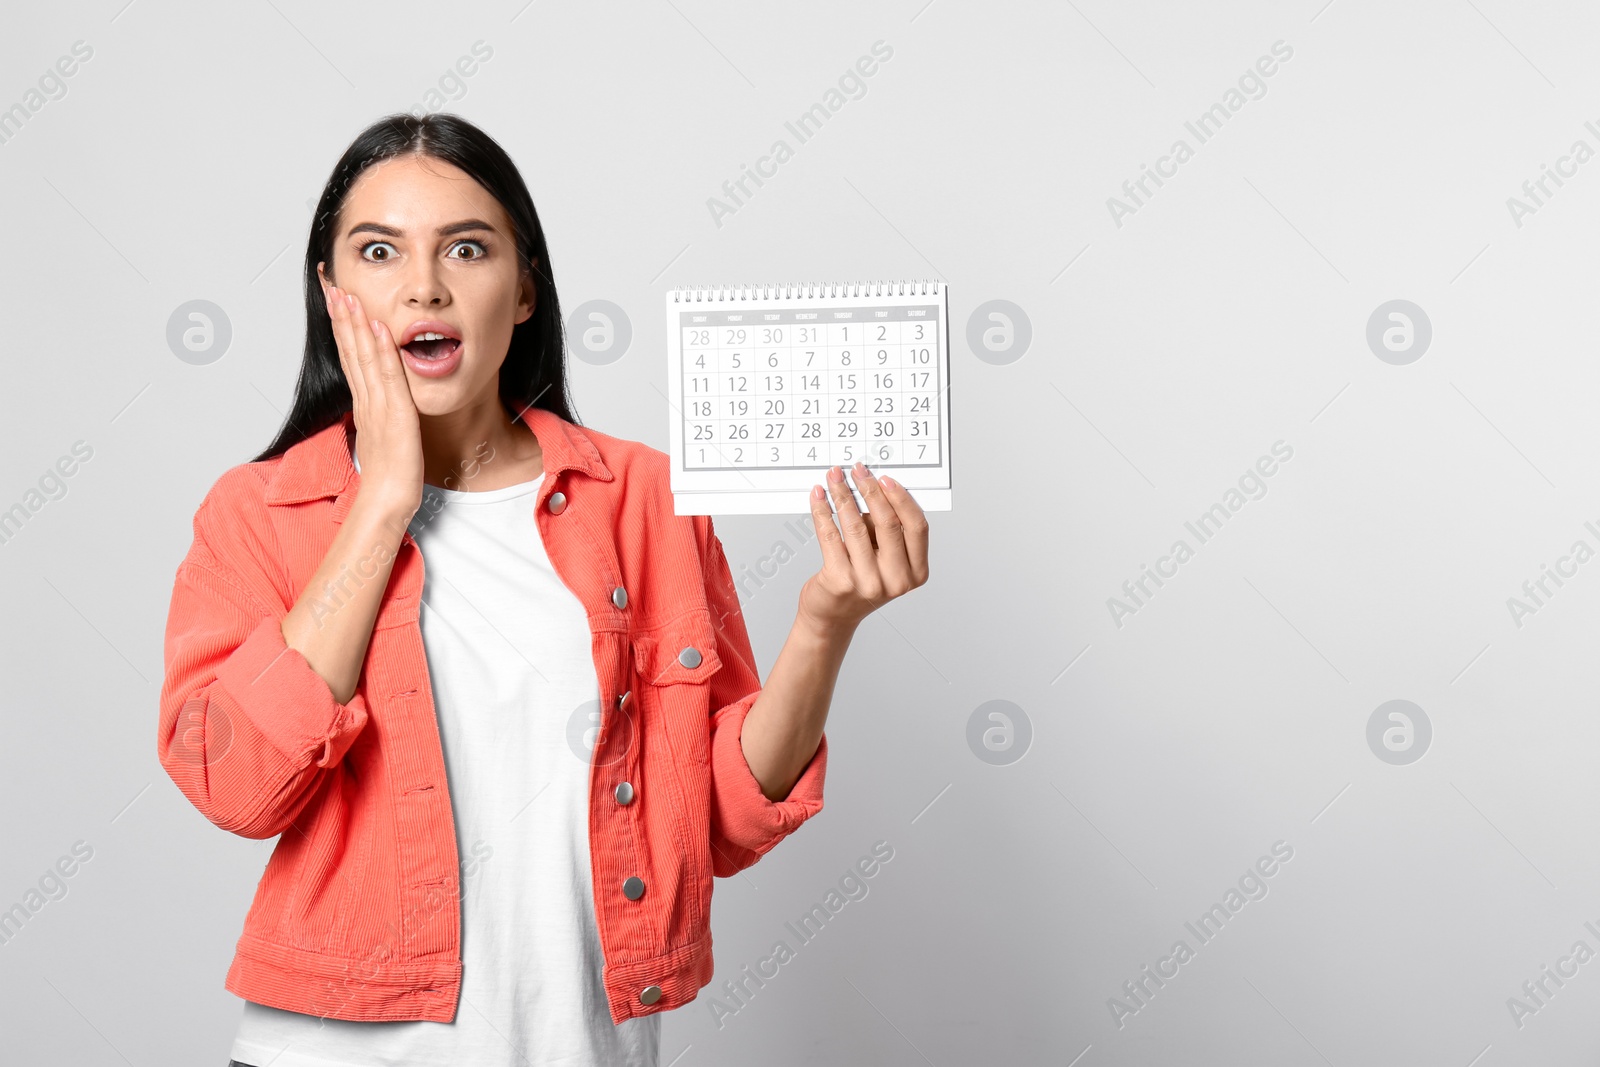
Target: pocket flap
683	650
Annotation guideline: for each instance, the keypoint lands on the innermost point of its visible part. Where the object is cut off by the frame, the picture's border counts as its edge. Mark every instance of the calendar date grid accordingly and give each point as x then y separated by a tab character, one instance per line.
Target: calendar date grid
798	389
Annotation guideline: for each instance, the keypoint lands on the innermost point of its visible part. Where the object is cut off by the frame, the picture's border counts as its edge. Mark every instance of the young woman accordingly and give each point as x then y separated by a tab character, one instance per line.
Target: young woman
457	652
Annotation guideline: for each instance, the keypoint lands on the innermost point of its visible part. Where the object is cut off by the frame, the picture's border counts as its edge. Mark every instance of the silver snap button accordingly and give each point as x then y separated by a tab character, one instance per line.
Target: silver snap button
557	503
619	597
625	793
622	701
633	888
650	994
690	656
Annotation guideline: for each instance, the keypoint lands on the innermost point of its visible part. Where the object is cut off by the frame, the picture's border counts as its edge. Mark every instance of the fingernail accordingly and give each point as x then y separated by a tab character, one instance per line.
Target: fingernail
890	482
349	301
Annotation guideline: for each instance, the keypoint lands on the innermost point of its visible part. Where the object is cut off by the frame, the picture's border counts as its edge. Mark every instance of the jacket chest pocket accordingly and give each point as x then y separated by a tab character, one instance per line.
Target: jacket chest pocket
673	665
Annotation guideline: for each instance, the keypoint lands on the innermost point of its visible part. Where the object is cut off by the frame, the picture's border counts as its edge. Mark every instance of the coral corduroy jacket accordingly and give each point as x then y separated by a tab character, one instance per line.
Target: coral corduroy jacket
357	915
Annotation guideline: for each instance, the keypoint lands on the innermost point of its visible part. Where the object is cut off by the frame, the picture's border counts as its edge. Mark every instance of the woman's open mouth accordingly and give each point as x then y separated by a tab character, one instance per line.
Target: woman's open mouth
432	358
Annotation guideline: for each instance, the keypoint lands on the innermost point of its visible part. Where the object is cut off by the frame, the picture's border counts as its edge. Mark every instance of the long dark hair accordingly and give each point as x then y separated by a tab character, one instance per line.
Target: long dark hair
535	370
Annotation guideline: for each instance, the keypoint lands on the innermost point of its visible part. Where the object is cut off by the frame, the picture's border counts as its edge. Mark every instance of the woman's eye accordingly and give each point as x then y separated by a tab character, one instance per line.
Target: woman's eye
479	254
375	244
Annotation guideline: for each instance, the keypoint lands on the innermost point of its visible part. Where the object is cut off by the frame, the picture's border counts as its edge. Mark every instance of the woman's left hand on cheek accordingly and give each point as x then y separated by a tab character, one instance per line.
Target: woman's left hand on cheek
867	560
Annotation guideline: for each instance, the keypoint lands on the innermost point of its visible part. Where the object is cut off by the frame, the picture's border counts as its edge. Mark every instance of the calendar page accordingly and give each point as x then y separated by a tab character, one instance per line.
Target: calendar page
771	386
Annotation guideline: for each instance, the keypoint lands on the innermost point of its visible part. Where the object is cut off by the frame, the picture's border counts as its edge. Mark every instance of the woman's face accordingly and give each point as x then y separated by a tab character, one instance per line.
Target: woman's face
420	241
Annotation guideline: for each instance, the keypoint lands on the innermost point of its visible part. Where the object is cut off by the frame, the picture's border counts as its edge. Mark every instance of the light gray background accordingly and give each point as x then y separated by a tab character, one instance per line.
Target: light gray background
1167	354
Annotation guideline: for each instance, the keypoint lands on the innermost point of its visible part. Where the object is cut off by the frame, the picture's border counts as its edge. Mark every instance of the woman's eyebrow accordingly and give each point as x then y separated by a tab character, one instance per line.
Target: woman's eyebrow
443	231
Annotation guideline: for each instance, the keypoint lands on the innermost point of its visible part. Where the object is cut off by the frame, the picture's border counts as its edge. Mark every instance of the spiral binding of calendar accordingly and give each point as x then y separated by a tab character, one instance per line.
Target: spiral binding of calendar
805	291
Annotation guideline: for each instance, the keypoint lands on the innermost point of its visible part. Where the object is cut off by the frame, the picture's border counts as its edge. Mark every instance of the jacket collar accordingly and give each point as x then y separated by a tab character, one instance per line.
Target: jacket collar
321	465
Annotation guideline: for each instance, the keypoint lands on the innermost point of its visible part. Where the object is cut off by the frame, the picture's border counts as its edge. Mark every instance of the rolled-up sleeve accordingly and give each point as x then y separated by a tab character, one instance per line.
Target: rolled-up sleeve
248	730
745	824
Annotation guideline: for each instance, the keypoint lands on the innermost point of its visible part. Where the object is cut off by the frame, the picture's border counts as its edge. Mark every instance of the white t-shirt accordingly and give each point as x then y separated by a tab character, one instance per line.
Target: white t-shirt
509	659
